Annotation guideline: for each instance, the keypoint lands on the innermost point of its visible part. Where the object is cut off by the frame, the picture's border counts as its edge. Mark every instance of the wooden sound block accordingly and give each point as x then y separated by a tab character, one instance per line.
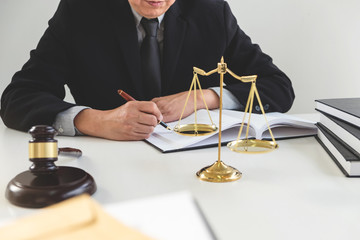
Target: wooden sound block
37	191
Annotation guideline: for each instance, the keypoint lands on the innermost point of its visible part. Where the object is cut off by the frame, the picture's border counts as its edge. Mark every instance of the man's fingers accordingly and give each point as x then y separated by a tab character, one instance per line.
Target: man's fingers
149	108
147	119
143	129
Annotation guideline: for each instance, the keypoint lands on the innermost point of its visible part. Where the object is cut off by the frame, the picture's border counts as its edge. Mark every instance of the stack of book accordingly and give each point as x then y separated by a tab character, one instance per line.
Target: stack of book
339	132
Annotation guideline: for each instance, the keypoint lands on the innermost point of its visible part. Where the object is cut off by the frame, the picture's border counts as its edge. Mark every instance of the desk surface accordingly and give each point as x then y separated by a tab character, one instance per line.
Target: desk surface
295	192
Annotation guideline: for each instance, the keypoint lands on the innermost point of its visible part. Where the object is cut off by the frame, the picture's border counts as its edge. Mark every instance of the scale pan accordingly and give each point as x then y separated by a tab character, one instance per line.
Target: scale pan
195	129
252	146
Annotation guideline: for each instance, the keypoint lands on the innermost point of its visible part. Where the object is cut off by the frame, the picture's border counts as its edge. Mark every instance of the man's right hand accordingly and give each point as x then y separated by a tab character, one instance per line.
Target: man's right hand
134	120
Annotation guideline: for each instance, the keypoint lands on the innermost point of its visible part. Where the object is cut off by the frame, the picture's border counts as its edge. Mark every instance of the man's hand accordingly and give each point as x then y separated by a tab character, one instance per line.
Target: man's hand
134	120
171	106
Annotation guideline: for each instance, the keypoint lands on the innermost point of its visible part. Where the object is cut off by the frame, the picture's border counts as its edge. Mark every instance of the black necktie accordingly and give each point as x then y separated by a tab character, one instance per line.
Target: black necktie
150	59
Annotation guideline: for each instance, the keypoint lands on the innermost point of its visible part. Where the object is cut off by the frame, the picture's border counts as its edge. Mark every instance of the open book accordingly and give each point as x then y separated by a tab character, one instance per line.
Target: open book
282	126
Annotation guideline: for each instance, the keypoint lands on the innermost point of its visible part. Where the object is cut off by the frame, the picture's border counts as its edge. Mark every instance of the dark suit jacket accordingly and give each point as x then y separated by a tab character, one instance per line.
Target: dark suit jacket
91	45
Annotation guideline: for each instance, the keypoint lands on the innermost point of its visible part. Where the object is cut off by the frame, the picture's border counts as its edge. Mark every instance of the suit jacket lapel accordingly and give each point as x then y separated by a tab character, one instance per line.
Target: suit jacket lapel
123	23
174	32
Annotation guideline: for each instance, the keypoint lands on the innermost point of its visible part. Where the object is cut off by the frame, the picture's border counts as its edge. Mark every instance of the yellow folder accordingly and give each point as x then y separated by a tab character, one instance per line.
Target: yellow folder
76	218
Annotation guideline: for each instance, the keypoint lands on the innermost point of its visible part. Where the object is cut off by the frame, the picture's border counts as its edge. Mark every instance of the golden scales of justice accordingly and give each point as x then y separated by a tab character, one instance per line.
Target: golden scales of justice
219	171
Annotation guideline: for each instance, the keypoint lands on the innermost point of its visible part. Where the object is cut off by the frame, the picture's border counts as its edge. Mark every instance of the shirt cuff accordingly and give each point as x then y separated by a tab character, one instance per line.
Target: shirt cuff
64	121
229	101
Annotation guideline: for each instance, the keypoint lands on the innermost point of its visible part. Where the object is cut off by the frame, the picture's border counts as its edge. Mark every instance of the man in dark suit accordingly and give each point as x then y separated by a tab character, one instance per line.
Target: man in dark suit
94	46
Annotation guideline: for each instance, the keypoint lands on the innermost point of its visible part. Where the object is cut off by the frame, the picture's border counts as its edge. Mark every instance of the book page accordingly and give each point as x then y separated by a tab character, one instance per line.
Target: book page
169	140
282	125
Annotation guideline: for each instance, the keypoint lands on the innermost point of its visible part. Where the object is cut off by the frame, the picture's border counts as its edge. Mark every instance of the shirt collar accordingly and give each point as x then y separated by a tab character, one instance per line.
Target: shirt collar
138	17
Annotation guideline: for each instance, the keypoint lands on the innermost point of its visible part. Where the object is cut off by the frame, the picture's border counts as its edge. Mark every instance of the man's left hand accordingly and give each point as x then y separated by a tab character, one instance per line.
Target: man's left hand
171	106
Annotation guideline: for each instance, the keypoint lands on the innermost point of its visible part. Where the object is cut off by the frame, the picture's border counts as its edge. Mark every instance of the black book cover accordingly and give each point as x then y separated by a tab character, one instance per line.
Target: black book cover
348	105
347	154
352	129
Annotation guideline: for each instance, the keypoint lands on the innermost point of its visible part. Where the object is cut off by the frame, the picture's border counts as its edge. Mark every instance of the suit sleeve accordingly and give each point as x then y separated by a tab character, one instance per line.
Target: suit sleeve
245	58
35	94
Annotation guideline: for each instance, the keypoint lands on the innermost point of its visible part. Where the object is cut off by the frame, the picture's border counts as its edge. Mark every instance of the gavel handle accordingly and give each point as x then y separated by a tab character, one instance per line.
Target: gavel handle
71	152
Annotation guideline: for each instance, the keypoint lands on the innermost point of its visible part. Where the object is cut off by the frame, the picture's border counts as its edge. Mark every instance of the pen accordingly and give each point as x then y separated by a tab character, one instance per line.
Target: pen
127	97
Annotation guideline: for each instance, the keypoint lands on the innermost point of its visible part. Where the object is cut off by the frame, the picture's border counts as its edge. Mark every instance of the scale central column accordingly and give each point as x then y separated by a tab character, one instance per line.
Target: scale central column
219	171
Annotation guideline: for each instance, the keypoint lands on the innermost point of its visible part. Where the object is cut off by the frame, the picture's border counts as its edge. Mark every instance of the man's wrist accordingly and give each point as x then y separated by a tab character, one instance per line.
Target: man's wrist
211	98
229	101
64	121
86	121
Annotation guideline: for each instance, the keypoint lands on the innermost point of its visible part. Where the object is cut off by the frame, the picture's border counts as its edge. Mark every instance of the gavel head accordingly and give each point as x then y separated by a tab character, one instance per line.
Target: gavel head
43	150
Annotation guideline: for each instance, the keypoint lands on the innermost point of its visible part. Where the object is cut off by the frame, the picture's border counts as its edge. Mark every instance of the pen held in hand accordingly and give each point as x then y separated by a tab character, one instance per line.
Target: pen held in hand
127	97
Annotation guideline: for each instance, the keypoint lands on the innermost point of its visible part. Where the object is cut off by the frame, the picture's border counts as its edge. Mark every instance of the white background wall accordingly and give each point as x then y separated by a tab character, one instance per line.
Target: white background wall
315	42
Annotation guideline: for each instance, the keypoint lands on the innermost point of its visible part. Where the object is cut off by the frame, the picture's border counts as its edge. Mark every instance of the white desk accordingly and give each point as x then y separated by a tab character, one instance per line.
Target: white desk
295	192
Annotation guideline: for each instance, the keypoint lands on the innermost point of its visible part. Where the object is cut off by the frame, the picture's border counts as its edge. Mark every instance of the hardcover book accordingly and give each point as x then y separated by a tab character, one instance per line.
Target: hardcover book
345	159
348	133
347	109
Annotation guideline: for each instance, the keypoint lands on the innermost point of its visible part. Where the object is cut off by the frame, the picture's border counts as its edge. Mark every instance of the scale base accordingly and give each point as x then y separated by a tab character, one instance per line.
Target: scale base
37	191
219	172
